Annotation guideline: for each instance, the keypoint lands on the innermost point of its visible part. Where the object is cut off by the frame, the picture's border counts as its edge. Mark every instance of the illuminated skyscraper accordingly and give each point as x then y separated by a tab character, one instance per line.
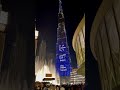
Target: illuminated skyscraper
63	60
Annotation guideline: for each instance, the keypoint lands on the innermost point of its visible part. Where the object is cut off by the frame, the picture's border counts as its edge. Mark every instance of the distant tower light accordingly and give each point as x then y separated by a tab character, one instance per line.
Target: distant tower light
36	34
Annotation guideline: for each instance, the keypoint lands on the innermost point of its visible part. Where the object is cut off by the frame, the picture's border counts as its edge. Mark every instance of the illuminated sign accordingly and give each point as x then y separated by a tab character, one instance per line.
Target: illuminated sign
62	58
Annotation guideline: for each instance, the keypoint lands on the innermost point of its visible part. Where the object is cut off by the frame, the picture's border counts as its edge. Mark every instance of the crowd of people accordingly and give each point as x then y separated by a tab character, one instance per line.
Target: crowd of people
61	87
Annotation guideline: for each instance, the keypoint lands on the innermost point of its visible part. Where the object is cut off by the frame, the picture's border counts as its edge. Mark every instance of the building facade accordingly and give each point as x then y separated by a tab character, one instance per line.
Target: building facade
63	61
78	43
105	46
75	78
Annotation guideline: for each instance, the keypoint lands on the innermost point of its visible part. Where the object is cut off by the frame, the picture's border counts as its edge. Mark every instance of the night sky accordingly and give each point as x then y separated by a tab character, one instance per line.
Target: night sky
47	21
91	65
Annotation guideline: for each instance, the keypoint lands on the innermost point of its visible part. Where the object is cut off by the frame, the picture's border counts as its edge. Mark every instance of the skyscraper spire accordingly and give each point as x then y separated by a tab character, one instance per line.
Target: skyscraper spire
61	22
60	7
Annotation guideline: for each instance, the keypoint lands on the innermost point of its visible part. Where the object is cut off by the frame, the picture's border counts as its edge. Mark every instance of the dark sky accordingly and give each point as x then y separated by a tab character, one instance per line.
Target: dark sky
91	65
47	16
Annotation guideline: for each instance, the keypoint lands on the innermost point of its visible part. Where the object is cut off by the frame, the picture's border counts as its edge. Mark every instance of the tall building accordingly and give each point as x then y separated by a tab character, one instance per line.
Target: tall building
75	78
78	44
63	61
36	37
105	43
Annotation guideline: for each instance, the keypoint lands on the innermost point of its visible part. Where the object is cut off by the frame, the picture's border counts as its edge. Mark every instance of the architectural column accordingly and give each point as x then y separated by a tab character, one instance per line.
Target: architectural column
18	63
3	23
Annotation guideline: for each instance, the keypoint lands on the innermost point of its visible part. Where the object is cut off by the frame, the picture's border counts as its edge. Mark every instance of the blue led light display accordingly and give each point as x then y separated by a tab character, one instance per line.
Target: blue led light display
62	58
